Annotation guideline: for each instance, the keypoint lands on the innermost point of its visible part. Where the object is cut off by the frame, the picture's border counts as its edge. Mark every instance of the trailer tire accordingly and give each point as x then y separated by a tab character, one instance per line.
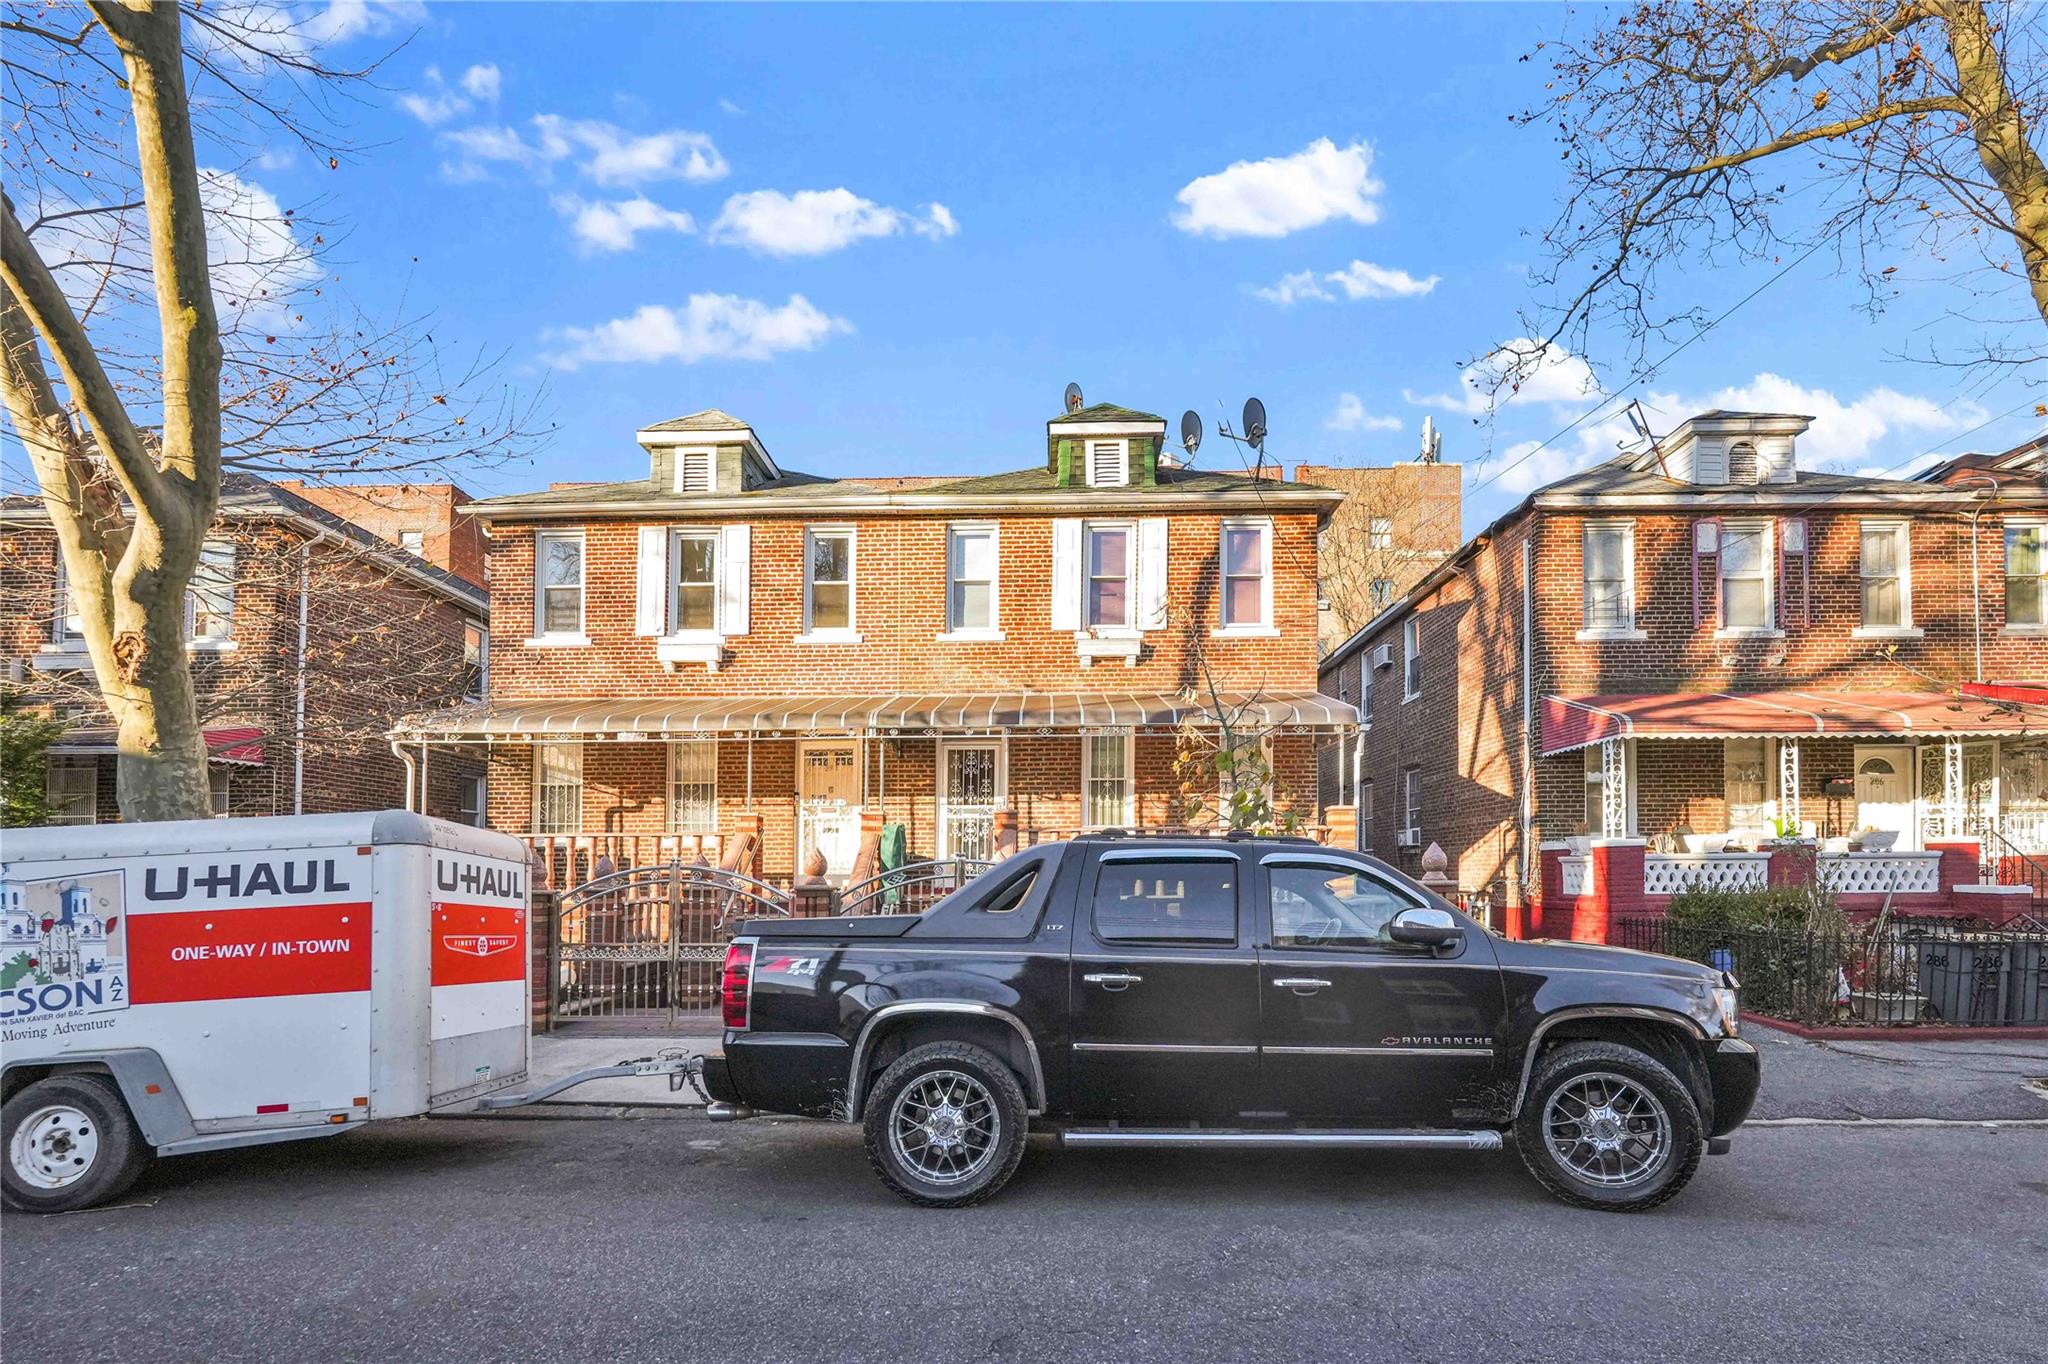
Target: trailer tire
945	1124
69	1143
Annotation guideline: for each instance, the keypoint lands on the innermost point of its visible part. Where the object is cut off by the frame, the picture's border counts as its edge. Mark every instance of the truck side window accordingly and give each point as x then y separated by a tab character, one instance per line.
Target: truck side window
1164	900
1323	906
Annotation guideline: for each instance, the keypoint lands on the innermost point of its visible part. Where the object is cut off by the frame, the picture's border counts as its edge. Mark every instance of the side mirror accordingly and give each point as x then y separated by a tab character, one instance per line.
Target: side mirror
1425	927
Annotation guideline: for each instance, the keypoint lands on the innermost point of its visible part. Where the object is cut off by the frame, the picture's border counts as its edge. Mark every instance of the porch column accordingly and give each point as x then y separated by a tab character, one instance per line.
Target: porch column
1613	789
1788	784
1952	787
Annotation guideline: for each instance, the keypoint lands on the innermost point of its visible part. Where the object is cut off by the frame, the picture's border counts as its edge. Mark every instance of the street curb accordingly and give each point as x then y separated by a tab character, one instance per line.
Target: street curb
1979	1123
1925	1033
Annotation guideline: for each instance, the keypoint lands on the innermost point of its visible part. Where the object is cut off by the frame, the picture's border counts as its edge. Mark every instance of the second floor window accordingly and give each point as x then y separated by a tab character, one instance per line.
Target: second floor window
696	589
413	542
1610	592
828	580
68	628
1380	532
1109	576
1382	593
1411	659
1246	575
558	585
2026	575
971	574
476	652
1745	578
210	600
1883	568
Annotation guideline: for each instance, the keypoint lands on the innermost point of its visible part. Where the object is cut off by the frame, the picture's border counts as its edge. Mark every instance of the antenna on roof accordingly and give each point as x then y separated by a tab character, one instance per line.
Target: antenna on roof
1190	432
1073	397
1432	442
1640	420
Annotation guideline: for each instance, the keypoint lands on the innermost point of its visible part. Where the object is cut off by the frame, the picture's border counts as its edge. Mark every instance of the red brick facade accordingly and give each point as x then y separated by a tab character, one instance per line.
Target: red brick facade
448	537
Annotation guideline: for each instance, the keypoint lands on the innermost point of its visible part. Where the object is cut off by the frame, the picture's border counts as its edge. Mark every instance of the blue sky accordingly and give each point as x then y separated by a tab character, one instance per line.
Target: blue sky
907	228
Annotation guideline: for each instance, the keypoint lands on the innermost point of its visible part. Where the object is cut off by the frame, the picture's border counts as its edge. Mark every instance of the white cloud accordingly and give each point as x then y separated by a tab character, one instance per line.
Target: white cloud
812	222
613	225
1520	371
707	327
438	101
1844	433
1282	194
605	153
482	81
1360	279
342	20
727	106
1352	416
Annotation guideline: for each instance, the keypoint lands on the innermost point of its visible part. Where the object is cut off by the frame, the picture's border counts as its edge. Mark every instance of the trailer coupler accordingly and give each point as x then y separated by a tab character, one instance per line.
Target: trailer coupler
681	1068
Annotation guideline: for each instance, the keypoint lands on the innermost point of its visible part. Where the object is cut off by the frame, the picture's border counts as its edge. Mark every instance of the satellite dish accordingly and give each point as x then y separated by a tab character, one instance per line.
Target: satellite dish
1190	432
1073	397
1255	424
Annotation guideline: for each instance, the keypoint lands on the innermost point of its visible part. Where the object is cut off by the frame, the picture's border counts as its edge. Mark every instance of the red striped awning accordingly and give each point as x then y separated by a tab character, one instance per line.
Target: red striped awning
1573	722
226	744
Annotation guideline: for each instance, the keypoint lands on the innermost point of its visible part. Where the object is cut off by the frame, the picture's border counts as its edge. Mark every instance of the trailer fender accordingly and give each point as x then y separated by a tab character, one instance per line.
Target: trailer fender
145	1083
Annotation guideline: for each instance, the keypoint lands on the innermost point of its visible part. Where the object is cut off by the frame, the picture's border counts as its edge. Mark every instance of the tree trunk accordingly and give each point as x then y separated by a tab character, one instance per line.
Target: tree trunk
2000	130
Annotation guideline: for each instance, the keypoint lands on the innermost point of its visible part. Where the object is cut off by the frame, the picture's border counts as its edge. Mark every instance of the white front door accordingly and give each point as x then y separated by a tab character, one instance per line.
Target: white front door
1884	790
828	804
970	791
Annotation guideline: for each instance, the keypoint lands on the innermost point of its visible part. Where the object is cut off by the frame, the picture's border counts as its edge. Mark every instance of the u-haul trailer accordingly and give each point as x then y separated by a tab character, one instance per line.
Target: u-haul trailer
172	988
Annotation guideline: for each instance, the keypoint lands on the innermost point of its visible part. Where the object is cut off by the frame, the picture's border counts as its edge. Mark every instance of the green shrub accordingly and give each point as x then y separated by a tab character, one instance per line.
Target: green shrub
1789	943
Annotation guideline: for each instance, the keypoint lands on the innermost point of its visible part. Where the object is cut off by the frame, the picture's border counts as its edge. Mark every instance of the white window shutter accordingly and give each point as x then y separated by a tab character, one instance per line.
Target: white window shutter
650	603
1066	573
735	578
1152	573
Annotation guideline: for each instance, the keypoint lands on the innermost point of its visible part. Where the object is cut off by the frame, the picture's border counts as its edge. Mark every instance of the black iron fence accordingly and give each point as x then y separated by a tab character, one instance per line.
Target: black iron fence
1904	973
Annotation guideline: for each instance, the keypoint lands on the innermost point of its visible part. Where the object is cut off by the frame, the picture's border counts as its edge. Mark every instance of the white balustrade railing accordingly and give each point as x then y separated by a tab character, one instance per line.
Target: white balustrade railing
1878	873
1669	873
1575	876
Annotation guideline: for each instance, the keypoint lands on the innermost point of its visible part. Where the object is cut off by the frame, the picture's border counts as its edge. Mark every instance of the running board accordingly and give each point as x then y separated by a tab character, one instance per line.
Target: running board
1477	1139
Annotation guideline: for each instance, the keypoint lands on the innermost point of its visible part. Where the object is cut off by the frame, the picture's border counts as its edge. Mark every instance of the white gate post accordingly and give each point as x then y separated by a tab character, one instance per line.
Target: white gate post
1788	784
1613	792
1952	786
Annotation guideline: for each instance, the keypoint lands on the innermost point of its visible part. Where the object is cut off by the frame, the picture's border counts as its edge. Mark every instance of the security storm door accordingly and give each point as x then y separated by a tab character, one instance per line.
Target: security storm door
970	792
1884	790
828	804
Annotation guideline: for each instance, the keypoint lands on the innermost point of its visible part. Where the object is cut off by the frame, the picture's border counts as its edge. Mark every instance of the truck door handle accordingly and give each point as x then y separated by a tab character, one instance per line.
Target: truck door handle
1302	985
1112	980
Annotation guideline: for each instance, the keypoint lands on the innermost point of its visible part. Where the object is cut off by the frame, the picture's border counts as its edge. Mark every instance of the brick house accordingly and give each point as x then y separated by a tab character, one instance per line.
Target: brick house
430	520
729	660
308	635
1699	646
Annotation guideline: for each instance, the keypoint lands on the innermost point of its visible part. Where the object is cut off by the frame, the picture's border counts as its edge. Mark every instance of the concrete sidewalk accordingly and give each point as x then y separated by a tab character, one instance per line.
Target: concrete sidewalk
1980	1080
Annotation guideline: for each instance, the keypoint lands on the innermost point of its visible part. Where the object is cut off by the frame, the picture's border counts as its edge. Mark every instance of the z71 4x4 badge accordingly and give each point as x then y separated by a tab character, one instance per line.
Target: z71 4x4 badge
792	966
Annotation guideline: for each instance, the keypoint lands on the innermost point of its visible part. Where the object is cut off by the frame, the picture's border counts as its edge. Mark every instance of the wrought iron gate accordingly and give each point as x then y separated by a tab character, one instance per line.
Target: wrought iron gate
646	944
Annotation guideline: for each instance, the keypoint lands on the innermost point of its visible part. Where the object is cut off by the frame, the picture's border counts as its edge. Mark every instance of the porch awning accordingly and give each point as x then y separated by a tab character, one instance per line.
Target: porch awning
1573	722
672	717
227	744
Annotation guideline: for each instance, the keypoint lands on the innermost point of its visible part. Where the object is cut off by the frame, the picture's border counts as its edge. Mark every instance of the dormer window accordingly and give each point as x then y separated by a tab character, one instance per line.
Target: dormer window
695	471
1109	464
1742	463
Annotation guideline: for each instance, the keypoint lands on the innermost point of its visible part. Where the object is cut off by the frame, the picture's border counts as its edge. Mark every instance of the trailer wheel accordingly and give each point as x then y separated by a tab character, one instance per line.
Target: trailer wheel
70	1144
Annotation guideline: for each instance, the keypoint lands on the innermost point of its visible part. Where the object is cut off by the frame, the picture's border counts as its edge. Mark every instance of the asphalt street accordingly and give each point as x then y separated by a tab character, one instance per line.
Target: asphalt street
571	1236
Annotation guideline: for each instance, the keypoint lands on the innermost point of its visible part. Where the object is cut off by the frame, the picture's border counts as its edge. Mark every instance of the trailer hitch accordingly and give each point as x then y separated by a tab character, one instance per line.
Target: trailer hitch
679	1067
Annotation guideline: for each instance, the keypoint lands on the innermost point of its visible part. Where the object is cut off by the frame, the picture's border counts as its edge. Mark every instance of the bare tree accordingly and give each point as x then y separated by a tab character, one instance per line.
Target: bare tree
1765	130
110	218
1395	524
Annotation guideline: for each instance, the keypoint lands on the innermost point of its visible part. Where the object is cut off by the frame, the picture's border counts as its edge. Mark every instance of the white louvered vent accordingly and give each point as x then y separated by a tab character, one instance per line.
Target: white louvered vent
1742	463
1107	467
693	471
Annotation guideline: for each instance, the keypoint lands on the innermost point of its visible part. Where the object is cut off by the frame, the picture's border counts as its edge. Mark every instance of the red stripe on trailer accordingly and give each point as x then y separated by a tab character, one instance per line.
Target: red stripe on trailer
248	953
478	944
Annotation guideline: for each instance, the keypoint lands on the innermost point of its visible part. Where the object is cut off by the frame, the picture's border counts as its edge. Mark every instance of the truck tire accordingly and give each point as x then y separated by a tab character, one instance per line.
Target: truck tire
945	1125
70	1144
1607	1126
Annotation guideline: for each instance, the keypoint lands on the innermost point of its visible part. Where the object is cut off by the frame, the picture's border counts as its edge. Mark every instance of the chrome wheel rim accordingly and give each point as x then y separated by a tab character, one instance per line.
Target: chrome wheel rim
55	1146
1607	1129
943	1126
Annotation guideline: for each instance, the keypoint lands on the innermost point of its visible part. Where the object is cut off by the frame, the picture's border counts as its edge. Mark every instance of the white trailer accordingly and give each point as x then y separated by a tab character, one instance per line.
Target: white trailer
182	987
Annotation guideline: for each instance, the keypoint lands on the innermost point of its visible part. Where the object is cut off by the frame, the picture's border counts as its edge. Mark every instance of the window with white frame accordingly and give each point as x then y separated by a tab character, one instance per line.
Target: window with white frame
693	602
219	791
2026	574
1745	575
1380	532
828	580
476	662
971	556
1884	566
1109	563
1411	807
1411	658
1609	561
413	542
471	800
558	788
1365	816
1364	691
1247	574
695	471
67	627
1107	784
693	786
73	784
558	583
1382	593
210	598
1745	783
1109	464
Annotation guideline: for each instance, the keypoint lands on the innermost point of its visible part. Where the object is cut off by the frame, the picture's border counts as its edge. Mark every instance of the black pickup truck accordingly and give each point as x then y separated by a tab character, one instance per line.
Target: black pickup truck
1248	991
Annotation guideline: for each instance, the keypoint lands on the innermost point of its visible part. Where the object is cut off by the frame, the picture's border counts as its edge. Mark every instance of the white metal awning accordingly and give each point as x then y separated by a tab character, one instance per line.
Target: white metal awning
640	718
